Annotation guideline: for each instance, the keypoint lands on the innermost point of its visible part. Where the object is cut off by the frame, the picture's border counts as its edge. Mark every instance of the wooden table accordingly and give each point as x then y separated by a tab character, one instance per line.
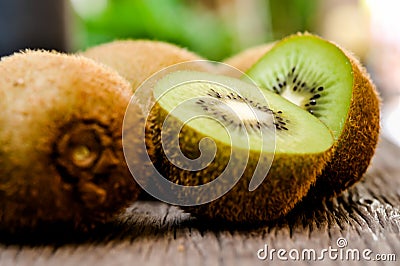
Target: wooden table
367	216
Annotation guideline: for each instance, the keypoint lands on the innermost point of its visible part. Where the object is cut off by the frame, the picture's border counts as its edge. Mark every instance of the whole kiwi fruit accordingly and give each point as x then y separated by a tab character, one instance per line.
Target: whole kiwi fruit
247	58
61	156
137	60
268	151
329	82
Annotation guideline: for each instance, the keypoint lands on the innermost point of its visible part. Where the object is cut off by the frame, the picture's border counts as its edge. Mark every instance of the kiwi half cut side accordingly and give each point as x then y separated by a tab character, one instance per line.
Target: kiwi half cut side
244	129
331	84
61	156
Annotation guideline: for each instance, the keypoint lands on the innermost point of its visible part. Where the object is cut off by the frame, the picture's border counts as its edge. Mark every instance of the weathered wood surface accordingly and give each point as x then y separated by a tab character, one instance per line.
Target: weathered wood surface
152	233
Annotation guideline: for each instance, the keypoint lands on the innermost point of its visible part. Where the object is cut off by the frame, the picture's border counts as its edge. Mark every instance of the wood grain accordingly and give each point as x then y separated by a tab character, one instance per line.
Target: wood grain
153	233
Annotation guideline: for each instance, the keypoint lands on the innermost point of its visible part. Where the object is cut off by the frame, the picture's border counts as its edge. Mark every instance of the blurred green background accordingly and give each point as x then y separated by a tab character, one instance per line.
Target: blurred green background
213	28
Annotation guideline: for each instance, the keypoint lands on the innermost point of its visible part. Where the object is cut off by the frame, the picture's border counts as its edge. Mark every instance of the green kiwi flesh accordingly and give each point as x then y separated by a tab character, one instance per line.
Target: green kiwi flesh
300	148
331	84
313	74
61	156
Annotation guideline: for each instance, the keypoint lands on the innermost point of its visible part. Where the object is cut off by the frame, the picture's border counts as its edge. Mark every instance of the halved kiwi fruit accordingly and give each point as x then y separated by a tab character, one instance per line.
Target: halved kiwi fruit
137	60
249	130
61	156
331	84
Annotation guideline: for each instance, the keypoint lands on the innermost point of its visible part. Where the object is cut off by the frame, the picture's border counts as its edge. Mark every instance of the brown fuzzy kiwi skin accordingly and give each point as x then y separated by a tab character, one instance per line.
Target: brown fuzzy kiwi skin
246	59
287	182
52	106
137	60
356	146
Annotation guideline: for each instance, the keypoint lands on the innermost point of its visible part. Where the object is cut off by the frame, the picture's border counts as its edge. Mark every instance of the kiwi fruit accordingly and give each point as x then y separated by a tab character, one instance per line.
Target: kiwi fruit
244	60
137	60
213	114
330	83
61	156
